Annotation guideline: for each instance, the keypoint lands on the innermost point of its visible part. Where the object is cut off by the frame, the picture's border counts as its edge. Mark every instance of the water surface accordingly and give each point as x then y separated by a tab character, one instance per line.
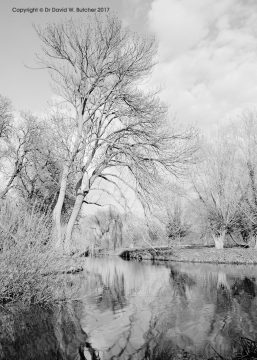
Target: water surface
136	310
130	308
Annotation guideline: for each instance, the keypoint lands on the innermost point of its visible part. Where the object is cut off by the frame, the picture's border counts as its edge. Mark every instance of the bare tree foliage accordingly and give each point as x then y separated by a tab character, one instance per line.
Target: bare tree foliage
177	227
20	145
30	166
107	226
225	181
120	133
38	178
217	183
6	117
245	136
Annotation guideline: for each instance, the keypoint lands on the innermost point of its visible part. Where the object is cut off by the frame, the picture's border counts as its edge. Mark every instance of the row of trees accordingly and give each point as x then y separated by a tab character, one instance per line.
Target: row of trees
108	138
219	199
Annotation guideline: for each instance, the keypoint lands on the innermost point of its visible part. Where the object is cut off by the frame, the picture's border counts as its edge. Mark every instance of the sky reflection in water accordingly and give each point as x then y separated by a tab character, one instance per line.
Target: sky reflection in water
130	308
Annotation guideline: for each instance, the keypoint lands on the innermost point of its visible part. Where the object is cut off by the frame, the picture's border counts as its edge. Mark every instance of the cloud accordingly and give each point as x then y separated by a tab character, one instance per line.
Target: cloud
207	56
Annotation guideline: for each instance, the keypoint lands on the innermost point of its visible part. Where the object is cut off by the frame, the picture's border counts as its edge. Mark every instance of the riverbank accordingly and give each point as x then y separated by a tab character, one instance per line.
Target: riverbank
195	255
31	276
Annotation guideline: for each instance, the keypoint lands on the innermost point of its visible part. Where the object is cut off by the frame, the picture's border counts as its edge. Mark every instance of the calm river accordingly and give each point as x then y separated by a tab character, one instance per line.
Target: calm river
136	310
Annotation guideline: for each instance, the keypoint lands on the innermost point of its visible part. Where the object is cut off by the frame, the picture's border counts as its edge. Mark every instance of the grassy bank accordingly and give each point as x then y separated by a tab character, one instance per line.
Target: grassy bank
196	255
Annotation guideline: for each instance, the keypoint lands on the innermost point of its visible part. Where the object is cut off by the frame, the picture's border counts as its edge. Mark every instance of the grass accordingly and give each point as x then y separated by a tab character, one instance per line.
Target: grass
197	255
29	265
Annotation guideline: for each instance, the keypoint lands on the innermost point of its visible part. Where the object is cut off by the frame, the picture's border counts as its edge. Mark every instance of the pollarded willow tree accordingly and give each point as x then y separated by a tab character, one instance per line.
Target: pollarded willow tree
244	131
218	182
226	180
119	133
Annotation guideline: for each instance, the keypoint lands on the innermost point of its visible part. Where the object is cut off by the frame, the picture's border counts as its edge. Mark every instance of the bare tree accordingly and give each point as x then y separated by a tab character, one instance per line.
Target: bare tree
6	128
37	180
120	133
217	182
244	130
6	117
177	227
22	142
108	228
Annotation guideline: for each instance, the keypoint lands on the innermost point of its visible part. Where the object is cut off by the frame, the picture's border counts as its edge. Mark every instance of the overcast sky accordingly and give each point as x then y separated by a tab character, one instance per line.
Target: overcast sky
207	60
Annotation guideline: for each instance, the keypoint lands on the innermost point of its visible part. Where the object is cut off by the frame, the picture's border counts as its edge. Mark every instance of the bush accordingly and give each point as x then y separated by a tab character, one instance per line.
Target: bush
28	263
176	227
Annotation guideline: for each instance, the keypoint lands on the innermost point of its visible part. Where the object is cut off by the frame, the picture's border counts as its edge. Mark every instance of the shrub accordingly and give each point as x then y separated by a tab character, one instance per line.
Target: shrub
28	261
176	227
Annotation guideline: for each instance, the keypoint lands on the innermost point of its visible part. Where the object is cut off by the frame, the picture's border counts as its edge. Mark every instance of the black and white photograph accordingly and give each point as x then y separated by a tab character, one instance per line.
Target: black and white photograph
128	179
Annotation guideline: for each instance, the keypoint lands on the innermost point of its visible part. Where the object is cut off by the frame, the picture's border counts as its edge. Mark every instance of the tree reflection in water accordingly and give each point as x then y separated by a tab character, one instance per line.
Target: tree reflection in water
39	333
140	311
113	293
180	282
193	310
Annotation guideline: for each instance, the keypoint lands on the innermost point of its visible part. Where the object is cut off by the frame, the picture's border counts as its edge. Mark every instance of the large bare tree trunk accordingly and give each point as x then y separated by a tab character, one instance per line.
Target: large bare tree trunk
85	184
58	207
82	190
75	212
64	180
219	240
